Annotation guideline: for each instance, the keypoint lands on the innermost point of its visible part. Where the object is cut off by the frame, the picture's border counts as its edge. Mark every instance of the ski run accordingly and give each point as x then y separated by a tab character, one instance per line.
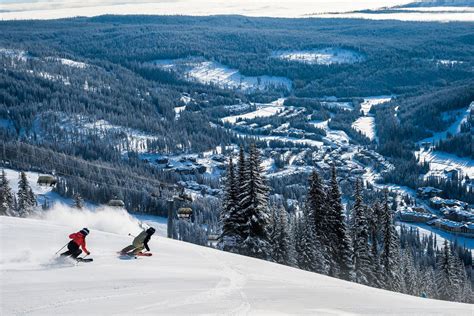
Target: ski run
180	278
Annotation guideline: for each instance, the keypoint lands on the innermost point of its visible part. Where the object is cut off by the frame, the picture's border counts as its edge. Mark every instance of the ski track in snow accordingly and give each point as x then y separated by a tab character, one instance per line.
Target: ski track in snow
180	278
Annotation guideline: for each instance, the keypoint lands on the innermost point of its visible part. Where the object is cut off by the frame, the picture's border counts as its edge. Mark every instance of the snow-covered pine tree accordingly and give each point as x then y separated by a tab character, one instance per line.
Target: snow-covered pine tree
428	283
445	274
308	248
317	211
340	243
78	201
374	224
230	238
462	284
6	196
254	209
282	249
26	197
361	238
390	256
411	284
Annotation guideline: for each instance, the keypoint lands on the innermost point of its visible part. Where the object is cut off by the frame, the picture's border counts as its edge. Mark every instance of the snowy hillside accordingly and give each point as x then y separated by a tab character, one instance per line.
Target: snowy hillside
179	279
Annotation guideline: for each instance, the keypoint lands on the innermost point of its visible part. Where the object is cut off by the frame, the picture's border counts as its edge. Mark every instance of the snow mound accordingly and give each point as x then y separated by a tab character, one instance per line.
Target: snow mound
179	278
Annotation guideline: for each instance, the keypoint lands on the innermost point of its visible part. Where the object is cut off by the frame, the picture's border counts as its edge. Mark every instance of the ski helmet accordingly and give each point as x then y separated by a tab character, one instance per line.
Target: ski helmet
150	230
84	231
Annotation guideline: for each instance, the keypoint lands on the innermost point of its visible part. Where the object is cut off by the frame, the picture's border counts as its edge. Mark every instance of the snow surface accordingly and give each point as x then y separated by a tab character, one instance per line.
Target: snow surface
46	9
180	278
440	161
334	136
366	124
210	72
326	56
263	110
72	63
437	16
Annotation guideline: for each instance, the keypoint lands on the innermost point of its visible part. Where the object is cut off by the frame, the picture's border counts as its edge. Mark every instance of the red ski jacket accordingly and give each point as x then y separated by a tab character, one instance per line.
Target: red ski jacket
80	240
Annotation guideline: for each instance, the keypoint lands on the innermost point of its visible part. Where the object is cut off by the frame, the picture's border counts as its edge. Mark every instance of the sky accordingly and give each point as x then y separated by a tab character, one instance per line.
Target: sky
277	8
54	9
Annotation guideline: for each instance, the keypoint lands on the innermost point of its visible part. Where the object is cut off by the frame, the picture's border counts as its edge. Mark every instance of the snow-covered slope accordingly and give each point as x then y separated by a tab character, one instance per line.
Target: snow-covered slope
179	279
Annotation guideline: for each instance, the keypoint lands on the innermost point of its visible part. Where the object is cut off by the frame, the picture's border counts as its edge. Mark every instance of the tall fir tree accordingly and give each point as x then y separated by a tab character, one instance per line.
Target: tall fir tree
253	203
318	217
390	256
6	196
361	238
308	248
230	237
446	275
26	197
340	242
374	224
282	248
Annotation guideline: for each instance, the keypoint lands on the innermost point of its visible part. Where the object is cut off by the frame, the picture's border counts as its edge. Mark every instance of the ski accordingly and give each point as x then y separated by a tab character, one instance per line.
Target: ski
84	259
144	254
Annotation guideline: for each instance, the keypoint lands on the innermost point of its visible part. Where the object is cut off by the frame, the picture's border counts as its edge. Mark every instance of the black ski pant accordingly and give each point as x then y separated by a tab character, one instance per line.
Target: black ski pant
73	250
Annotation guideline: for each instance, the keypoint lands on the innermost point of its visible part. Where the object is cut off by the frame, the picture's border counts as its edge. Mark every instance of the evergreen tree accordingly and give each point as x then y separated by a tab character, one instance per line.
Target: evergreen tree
78	201
361	238
446	275
26	198
6	196
340	243
230	238
308	248
254	209
318	217
282	250
376	273
390	251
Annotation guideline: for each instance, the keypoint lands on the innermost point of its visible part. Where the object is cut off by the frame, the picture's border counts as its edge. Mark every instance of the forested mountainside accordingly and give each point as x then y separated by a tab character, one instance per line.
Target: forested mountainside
119	91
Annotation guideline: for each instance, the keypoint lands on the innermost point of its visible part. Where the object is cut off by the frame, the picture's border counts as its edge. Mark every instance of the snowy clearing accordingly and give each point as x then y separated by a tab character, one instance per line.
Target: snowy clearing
365	125
333	136
210	72
369	102
326	56
70	62
263	110
180	278
441	161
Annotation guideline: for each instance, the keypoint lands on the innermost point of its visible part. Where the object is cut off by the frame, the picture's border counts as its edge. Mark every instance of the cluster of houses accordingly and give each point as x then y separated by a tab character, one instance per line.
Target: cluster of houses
453	215
187	165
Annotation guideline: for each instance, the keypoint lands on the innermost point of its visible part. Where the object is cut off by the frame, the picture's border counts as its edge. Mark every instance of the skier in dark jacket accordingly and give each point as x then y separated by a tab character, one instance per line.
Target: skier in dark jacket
78	240
140	242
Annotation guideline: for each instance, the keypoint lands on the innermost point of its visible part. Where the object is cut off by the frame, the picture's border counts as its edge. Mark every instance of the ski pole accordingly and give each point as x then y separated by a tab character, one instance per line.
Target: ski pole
61	248
131	235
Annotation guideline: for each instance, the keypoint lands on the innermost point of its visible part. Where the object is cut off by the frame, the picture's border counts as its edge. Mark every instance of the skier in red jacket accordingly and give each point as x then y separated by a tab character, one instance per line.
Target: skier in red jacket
78	240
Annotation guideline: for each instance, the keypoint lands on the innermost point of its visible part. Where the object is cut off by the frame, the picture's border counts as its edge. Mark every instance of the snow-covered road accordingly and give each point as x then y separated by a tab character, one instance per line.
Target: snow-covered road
180	278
